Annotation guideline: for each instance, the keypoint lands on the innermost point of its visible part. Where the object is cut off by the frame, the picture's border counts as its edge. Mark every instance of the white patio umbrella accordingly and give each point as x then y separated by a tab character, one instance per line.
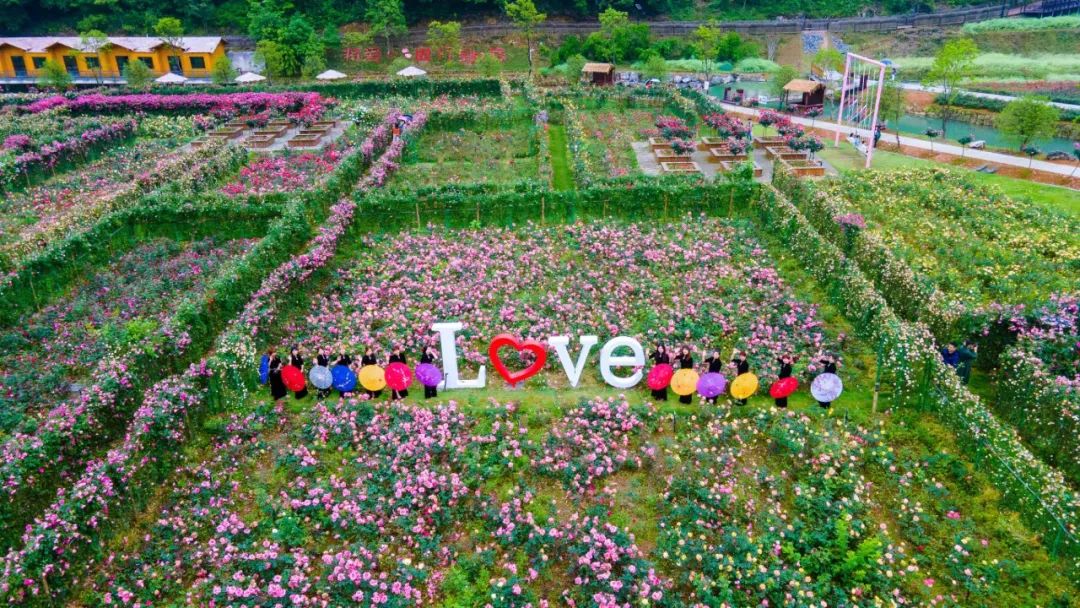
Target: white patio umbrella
170	78
331	75
410	71
250	77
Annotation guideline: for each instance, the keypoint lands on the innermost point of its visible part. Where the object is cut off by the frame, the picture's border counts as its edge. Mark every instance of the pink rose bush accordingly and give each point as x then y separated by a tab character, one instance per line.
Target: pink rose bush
306	106
51	154
284	173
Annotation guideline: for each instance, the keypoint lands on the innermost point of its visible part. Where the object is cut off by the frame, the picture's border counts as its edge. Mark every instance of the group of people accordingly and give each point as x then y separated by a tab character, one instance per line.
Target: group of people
324	358
684	360
961	357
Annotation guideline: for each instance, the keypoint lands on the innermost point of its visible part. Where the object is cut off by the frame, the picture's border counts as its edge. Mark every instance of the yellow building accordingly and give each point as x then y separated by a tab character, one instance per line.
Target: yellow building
22	58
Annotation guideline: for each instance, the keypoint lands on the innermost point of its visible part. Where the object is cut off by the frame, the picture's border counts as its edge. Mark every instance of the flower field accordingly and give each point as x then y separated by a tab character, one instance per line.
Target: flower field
143	463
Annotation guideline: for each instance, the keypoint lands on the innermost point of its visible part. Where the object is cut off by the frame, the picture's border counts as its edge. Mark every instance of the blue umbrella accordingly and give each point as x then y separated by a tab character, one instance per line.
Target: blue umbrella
344	378
264	369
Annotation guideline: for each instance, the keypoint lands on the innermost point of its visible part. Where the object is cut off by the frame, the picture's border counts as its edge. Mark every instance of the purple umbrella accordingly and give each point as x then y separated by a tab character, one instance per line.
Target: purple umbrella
711	385
428	374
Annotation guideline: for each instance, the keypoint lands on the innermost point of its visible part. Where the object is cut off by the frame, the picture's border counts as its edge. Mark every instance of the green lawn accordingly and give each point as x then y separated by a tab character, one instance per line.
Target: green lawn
560	164
845	158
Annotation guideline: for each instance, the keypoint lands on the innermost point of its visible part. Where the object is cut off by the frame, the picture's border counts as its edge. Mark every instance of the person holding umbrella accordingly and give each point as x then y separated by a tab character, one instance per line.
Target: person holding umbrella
686	361
829	365
297	360
785	372
742	366
660	356
323	359
715	364
277	385
368	358
428	356
398	356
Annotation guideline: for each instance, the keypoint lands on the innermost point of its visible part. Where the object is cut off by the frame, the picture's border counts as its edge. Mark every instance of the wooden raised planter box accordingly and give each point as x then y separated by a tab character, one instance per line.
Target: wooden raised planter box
228	132
765	142
785	153
275	130
720	155
279	122
671	156
805	168
312	133
261	141
305	141
708	143
680	167
328	124
659	143
726	166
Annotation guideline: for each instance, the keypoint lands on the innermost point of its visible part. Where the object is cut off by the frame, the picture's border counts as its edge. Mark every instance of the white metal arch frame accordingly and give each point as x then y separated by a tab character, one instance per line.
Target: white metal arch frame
858	62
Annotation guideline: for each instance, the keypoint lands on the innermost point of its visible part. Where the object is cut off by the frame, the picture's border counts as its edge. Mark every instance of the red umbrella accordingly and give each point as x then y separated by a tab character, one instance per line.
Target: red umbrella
783	387
293	378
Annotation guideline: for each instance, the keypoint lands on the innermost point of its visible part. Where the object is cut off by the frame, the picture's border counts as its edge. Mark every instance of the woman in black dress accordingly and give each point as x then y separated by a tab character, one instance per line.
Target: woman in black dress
297	361
277	385
828	366
742	366
686	361
344	359
369	359
715	364
660	355
428	356
323	359
398	356
785	372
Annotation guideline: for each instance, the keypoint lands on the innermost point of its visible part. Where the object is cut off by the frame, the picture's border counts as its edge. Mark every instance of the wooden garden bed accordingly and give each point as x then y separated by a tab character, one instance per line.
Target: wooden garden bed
680	167
726	166
671	156
261	141
722	154
659	143
765	142
275	130
805	167
707	143
228	132
785	153
305	140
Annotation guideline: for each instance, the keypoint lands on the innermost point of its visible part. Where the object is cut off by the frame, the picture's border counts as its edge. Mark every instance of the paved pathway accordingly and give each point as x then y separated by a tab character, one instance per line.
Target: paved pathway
914	86
922	144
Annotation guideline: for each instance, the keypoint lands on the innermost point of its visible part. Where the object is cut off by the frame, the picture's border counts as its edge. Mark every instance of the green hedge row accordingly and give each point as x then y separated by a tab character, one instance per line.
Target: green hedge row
909	358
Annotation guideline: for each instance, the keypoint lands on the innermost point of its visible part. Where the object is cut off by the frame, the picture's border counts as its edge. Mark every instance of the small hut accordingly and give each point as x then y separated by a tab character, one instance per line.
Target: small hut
599	73
813	95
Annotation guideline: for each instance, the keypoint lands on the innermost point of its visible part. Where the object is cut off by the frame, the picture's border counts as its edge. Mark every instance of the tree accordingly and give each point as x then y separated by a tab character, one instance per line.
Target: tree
1027	119
137	74
266	20
313	65
171	31
655	67
828	60
524	15
54	75
489	65
784	75
952	64
964	141
445	37
272	55
892	107
222	71
931	134
386	19
97	43
1031	151
574	65
706	38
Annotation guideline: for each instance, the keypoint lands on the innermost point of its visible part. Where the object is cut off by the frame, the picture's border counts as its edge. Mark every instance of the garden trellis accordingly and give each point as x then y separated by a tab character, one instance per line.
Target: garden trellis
859	101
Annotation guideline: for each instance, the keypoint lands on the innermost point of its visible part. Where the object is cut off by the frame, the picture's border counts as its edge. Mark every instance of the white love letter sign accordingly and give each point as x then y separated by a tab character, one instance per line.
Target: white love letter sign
609	360
573	370
451	380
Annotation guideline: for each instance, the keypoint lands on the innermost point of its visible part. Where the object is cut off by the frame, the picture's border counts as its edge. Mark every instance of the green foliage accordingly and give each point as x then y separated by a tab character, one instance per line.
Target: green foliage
54	75
446	37
1066	22
706	42
574	65
828	59
137	74
274	57
386	19
398	64
780	79
952	64
222	71
1028	118
655	67
314	64
525	17
489	65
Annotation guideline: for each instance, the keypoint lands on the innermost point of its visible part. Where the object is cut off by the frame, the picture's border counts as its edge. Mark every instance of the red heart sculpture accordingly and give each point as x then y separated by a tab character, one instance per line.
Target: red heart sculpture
533	346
